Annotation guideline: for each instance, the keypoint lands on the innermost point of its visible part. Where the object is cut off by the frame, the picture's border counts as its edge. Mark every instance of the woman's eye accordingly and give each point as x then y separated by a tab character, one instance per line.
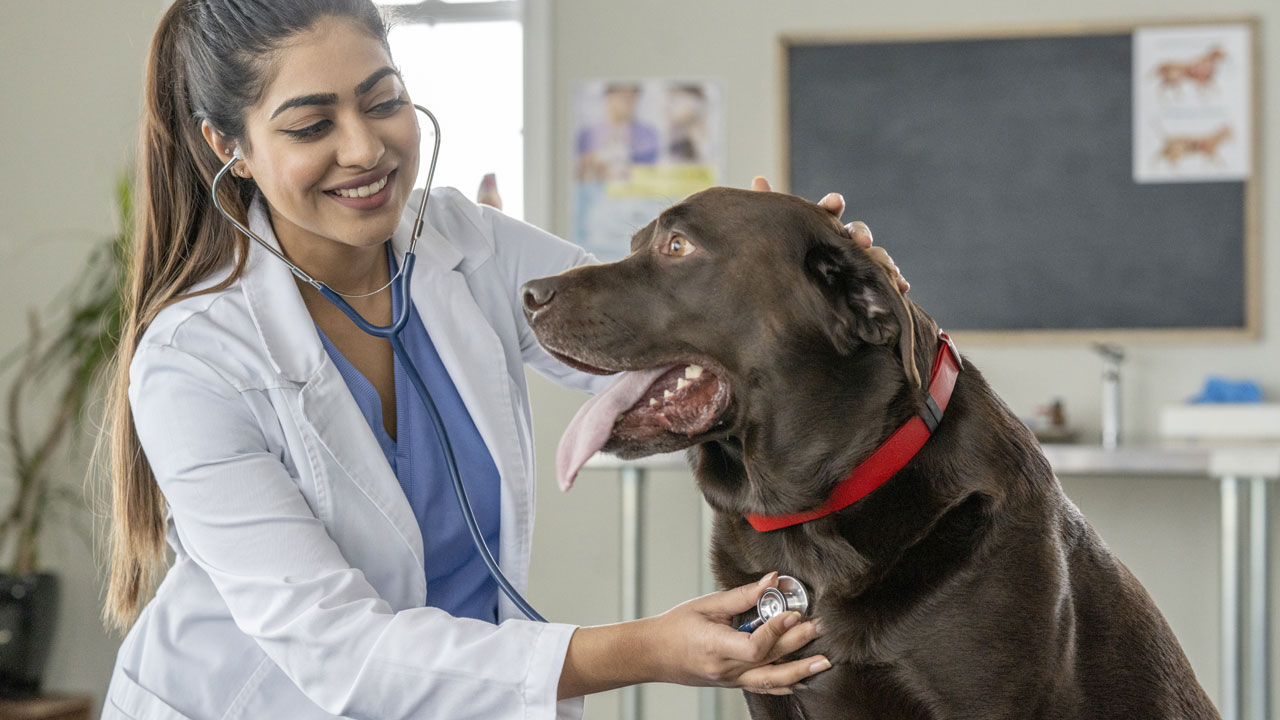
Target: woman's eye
309	131
388	107
678	247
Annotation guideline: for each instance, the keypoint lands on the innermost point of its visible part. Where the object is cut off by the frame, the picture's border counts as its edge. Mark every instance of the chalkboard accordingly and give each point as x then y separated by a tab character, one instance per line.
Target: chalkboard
999	173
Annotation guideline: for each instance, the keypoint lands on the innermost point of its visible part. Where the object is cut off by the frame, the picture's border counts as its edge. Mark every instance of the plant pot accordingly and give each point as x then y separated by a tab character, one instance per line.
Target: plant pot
28	615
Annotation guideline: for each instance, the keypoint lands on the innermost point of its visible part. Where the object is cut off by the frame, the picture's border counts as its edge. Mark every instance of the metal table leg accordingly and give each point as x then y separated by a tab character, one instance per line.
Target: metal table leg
1259	603
1229	692
632	583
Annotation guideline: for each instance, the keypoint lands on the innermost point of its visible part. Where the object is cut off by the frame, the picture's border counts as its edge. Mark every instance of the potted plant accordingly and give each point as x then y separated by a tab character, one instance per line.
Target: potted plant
65	350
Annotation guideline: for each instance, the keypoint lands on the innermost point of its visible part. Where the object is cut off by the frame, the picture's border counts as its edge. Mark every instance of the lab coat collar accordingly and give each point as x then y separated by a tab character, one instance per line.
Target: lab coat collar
475	360
276	305
476	366
294	349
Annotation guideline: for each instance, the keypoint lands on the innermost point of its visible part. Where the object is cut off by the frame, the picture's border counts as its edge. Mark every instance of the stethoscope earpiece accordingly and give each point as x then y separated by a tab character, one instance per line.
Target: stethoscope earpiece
418	224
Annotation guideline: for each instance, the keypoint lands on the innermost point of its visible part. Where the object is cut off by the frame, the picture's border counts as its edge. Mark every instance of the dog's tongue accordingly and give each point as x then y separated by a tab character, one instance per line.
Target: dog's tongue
589	430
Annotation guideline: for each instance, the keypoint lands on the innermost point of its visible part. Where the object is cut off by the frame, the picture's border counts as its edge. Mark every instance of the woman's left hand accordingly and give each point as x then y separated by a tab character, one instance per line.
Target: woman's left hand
858	230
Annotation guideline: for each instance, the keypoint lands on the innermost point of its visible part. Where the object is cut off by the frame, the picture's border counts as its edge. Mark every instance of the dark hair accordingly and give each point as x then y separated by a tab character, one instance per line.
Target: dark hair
209	61
225	46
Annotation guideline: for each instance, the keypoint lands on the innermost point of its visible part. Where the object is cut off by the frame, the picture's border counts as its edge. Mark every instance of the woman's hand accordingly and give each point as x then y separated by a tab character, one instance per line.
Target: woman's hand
696	644
861	234
693	643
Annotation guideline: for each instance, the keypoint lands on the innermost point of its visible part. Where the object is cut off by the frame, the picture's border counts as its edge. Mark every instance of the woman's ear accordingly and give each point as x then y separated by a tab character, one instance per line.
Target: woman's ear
225	149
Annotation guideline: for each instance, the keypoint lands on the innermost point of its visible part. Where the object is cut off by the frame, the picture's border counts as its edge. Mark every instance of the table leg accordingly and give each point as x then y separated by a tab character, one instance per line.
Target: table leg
1259	603
1229	690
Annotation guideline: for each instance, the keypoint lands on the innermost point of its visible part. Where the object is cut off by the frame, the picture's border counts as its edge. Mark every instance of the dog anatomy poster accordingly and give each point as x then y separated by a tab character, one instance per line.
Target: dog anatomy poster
1192	106
639	146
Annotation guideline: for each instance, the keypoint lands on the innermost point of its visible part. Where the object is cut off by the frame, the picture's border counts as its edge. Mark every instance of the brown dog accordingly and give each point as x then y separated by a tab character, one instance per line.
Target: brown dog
965	586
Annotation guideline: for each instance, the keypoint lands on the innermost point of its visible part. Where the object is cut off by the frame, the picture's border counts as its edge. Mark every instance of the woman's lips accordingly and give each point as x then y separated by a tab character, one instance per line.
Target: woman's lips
372	202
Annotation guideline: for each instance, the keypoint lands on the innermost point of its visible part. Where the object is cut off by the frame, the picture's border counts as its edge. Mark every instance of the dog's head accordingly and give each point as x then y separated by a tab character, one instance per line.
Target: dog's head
749	313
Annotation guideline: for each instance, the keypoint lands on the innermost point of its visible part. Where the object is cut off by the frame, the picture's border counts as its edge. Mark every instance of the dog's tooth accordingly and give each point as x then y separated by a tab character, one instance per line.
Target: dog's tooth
653	402
682	384
693	372
667	394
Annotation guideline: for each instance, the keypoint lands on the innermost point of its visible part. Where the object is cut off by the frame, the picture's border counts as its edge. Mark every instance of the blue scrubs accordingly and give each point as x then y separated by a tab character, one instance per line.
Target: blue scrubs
457	579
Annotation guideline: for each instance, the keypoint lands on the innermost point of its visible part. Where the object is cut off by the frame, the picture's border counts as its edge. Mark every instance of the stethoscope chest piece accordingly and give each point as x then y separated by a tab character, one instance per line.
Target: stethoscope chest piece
787	596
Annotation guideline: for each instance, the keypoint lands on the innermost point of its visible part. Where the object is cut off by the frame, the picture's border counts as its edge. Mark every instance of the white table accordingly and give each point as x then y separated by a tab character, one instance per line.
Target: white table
1245	675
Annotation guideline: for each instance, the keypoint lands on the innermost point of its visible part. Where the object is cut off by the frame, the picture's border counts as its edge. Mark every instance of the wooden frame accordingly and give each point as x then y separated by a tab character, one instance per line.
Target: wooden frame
1252	220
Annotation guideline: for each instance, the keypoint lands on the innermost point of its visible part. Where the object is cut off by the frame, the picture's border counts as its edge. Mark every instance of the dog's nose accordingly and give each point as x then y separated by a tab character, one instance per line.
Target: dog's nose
537	293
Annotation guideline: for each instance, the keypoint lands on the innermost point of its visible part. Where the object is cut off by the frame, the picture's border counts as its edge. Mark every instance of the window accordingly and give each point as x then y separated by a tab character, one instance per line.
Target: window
464	61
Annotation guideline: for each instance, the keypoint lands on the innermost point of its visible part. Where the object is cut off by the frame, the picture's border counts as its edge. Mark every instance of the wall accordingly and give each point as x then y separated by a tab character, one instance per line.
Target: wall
71	79
1165	530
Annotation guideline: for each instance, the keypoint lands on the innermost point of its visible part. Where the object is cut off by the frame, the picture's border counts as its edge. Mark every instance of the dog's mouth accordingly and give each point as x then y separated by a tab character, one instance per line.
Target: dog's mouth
643	412
577	364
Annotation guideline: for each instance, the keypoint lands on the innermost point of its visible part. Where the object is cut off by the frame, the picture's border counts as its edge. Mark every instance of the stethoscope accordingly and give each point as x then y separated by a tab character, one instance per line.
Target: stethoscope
392	333
789	595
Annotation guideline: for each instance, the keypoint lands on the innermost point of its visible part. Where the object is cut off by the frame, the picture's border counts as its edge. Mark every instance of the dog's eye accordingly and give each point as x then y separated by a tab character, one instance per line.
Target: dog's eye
677	246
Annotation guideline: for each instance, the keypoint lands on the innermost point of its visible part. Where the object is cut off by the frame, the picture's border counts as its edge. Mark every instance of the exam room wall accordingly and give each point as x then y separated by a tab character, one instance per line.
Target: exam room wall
71	83
1166	530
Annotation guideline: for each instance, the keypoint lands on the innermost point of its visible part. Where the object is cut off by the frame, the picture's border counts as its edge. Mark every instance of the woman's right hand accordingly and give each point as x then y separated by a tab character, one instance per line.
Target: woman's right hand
695	643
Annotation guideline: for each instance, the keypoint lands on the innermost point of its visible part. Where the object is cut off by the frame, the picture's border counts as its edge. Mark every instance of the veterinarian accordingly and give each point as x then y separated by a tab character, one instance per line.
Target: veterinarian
321	566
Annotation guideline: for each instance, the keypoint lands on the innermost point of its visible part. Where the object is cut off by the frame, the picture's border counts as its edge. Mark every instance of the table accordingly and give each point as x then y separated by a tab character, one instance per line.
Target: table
1245	687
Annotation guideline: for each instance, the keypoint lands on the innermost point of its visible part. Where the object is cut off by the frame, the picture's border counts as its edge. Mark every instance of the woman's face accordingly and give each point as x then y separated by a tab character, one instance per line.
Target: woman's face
333	143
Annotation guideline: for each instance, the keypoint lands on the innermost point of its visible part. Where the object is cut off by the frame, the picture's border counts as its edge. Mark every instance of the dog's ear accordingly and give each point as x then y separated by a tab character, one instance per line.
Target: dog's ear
867	305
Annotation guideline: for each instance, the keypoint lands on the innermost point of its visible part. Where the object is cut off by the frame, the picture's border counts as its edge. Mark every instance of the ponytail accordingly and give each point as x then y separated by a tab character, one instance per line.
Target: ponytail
175	244
207	63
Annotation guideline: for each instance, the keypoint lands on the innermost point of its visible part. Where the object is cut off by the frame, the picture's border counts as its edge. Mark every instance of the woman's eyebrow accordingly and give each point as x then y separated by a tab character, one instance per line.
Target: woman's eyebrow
332	99
316	99
373	79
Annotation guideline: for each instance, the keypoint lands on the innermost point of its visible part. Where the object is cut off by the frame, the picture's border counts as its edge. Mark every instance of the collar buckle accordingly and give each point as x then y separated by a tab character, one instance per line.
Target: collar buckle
955	352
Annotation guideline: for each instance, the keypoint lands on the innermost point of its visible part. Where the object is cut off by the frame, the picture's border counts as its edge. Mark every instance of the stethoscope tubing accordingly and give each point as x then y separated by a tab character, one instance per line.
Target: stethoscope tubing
391	333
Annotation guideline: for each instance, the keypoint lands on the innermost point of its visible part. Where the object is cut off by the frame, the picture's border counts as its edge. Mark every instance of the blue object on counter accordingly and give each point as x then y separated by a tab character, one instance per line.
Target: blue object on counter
1221	390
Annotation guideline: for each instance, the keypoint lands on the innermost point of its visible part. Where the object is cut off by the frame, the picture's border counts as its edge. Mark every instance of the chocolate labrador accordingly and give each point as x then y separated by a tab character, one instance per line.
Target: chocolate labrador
840	440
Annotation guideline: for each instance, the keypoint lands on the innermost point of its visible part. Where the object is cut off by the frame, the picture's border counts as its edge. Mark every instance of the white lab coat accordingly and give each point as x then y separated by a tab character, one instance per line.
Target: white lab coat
298	588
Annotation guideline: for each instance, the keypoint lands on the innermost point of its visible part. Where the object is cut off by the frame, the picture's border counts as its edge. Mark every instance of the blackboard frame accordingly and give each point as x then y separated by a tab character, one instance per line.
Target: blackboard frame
1249	330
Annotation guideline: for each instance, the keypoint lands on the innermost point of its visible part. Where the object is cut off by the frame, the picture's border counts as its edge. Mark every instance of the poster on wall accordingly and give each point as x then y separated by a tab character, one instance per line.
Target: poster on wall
640	145
1192	106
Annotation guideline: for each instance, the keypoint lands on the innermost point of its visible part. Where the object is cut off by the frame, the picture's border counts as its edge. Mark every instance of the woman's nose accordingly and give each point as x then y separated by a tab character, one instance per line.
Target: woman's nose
361	147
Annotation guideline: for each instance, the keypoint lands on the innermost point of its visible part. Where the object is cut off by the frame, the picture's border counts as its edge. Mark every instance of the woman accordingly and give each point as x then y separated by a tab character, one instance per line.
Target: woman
277	449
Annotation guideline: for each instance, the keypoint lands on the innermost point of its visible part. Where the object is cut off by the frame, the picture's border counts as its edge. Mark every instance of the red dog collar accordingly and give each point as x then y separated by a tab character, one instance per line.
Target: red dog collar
892	455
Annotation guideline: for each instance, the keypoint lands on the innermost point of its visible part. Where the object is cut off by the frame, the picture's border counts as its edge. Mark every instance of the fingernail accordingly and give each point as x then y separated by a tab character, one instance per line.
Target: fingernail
820	665
817	626
764	580
790	620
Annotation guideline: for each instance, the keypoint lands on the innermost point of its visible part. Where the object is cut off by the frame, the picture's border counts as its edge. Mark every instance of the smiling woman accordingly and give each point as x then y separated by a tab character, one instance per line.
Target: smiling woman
321	568
350	128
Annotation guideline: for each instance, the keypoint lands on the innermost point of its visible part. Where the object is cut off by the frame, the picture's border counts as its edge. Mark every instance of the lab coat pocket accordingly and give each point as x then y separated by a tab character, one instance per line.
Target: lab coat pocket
128	699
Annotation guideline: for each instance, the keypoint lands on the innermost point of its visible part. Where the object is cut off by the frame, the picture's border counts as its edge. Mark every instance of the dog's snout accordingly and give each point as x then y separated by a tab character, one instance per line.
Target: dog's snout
537	293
